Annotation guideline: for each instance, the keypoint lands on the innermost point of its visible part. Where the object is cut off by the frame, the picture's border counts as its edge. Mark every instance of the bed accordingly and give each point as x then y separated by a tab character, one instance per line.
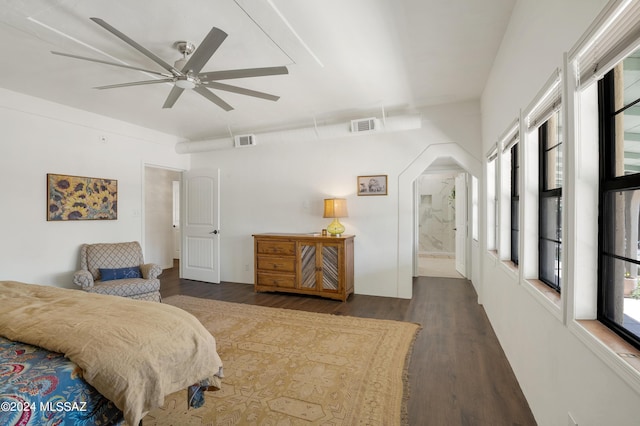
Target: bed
41	387
95	359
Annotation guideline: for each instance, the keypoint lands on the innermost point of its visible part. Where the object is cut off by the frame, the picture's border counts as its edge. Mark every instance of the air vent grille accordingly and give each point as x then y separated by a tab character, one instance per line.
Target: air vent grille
241	141
364	125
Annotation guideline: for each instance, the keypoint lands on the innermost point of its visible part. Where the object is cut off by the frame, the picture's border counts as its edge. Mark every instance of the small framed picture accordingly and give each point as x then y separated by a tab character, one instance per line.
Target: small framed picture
372	185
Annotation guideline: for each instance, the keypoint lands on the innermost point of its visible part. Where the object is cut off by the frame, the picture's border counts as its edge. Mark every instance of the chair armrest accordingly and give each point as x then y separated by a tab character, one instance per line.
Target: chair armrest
83	278
150	270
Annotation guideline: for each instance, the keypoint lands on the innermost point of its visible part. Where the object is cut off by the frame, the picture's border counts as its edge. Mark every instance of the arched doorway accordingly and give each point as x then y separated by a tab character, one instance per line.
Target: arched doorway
441	220
407	228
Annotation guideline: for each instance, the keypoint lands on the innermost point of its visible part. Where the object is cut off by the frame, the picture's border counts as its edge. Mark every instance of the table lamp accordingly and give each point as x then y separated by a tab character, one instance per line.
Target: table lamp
335	208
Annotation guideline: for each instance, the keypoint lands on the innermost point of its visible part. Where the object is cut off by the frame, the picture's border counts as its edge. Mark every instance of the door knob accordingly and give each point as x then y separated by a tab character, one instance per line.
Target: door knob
214	232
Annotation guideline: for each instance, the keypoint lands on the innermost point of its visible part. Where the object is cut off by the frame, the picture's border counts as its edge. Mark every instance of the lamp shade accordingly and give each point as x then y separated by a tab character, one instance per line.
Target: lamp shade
335	207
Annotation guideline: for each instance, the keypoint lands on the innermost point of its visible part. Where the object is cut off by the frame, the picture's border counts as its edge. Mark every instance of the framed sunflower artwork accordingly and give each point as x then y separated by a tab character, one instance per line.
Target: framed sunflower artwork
81	198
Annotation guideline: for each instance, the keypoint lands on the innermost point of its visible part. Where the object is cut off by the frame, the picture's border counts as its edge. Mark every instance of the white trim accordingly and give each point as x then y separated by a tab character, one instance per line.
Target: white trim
544	300
626	372
493	152
506	140
546	102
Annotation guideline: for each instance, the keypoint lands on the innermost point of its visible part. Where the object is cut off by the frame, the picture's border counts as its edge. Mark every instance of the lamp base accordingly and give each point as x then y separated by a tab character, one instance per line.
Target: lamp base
335	228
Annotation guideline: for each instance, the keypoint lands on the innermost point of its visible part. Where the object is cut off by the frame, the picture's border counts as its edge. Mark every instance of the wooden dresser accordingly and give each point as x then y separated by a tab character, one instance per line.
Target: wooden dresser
304	264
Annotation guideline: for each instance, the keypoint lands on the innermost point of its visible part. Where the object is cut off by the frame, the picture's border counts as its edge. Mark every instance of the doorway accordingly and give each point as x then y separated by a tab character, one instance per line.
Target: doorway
160	215
438	234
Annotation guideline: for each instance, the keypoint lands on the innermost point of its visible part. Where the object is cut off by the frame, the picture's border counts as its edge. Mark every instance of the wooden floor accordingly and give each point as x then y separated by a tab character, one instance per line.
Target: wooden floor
458	374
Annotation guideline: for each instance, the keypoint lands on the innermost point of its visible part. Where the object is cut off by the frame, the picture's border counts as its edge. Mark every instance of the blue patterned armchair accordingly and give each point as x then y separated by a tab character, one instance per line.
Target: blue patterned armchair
118	269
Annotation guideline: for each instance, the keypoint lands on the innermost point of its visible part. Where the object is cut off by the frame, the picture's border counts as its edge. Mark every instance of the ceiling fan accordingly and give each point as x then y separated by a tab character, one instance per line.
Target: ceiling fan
185	73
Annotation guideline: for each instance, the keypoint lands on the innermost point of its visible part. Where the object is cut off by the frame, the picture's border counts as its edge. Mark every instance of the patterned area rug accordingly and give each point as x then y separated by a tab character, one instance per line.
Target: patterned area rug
286	367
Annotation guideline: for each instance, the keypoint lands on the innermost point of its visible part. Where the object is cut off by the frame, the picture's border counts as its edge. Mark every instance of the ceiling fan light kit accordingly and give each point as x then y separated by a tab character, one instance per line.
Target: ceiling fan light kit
185	73
186	82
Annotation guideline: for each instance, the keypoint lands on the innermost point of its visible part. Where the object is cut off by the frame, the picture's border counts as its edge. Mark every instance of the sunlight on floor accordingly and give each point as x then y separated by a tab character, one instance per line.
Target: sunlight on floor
438	265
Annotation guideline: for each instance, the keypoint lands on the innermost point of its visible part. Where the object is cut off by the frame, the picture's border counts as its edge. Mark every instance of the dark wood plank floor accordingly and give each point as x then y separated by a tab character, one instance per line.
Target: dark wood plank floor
458	374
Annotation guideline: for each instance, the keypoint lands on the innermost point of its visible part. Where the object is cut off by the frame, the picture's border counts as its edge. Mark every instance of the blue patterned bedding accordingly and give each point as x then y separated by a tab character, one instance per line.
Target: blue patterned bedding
39	387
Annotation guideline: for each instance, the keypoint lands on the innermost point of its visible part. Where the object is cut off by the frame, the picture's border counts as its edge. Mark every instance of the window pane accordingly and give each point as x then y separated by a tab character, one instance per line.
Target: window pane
550	255
627	122
629	141
515	223
515	226
514	246
622	210
553	153
515	171
551	214
619	306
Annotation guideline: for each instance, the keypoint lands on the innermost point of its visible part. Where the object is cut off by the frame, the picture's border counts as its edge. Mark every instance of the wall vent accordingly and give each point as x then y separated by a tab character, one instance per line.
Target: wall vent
364	125
244	140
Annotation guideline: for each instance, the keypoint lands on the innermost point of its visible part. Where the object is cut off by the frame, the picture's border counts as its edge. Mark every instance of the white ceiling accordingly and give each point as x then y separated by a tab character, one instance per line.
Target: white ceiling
350	58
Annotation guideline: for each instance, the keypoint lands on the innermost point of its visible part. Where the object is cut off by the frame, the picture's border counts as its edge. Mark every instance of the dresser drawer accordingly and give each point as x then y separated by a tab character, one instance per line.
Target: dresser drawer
276	247
284	264
273	280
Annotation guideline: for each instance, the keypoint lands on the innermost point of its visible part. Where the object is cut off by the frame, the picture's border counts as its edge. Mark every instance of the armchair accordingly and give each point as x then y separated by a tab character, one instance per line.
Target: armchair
118	269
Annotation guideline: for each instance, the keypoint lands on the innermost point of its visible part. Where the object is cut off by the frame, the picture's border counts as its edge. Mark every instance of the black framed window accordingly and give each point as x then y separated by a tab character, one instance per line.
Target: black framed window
619	201
550	203
515	202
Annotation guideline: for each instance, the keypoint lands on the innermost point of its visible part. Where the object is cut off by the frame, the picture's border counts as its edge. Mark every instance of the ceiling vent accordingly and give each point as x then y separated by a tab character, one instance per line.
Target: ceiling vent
241	141
364	125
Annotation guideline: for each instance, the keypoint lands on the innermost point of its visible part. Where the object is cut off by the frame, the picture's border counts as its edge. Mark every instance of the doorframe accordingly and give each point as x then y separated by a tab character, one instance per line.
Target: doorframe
452	173
406	213
143	193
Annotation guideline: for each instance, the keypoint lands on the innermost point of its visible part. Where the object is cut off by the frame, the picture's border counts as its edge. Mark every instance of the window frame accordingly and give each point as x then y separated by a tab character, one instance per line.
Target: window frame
545	193
610	183
515	205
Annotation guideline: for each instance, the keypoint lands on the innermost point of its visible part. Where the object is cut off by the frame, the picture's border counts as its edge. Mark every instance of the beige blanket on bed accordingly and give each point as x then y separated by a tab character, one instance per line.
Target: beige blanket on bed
133	352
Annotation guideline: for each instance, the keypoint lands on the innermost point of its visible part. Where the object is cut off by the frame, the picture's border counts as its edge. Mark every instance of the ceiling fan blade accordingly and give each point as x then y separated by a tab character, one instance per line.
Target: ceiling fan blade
136	46
173	97
109	63
136	83
242	91
207	48
243	73
213	98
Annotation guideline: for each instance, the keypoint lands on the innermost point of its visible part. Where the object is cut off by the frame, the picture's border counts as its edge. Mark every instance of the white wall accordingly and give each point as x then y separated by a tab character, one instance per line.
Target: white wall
279	187
557	372
40	137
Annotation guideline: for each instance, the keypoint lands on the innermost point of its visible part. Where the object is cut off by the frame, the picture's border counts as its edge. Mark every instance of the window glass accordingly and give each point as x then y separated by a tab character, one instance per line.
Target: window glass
553	153
551	209
620	303
622	210
550	247
515	202
627	118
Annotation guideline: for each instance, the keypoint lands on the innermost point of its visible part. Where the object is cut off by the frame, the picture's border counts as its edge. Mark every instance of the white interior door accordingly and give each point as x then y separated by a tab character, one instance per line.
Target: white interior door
461	223
200	221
